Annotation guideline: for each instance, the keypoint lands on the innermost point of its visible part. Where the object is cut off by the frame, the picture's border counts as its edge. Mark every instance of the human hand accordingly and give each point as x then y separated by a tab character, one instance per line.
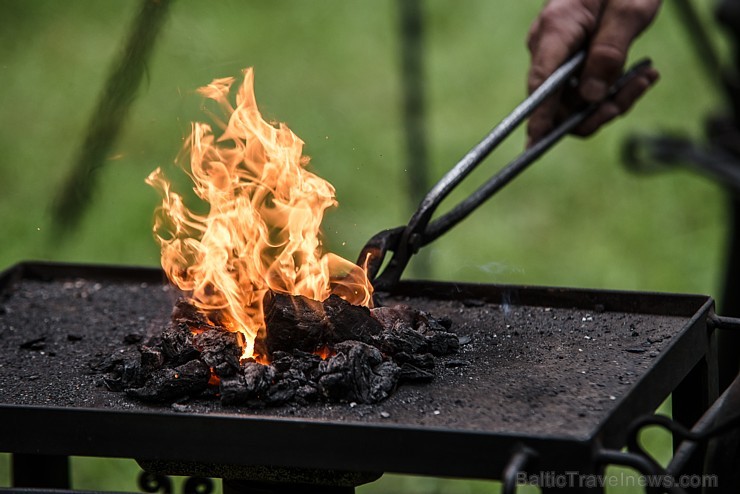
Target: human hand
606	28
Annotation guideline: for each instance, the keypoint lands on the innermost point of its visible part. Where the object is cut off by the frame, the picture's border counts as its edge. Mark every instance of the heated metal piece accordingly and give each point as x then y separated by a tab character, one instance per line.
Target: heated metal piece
405	241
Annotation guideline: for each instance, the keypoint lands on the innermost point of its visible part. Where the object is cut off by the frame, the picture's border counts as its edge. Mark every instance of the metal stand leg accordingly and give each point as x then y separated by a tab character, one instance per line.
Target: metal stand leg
729	342
692	398
40	471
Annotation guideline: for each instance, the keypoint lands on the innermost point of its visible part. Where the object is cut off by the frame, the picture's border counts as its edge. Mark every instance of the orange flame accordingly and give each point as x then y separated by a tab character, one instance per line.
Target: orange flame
262	231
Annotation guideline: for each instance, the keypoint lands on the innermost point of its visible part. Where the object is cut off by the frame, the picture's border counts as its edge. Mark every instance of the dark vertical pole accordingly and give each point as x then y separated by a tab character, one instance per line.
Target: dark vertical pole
414	112
728	14
40	471
107	119
701	42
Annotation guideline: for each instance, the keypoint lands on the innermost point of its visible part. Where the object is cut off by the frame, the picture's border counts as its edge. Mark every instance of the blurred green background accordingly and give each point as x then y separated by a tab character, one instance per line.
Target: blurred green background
331	70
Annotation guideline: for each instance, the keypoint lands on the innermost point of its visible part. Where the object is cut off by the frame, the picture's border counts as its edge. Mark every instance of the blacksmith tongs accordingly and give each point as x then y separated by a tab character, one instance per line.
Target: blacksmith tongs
405	241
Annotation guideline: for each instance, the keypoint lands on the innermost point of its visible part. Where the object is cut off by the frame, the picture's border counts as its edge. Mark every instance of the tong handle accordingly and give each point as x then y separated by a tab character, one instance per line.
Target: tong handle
444	223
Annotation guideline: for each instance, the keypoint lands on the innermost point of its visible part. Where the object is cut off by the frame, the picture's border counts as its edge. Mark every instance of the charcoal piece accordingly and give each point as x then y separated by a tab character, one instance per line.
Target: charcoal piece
307	394
282	391
349	322
184	311
292	322
305	362
233	390
251	383
398	315
296	375
385	381
402	339
444	323
123	369
411	373
34	344
335	386
177	344
424	322
220	350
420	360
415	367
224	369
442	342
296	322
151	358
168	384
282	361
257	377
357	373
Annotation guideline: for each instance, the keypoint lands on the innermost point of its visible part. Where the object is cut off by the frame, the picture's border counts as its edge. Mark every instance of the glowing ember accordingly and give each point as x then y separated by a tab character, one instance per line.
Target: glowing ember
262	231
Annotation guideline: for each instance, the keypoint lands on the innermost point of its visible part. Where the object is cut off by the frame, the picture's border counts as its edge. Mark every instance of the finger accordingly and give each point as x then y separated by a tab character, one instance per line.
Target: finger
606	112
548	53
620	104
542	118
634	89
551	49
559	31
622	21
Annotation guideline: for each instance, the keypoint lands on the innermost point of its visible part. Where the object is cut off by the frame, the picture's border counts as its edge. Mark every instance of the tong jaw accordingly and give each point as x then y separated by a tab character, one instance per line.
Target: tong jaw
373	254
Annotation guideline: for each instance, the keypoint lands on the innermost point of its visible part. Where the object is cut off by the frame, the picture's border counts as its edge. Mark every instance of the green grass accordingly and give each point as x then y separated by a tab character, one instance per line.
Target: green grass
330	70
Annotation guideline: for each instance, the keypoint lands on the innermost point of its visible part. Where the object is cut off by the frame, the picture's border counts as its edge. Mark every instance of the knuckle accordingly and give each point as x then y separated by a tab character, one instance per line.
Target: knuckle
569	21
536	77
532	36
638	11
610	57
554	19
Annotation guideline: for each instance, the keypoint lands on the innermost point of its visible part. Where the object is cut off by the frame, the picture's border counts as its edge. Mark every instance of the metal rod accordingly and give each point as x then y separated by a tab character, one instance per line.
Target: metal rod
687	448
519	164
476	155
443	224
107	119
702	43
517	464
723	322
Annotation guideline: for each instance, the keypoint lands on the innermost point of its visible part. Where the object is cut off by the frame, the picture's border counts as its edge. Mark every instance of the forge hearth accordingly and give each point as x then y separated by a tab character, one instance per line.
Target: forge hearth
558	370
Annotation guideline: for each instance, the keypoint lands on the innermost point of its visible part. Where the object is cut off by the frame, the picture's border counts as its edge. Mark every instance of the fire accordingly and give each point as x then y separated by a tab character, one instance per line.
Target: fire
262	229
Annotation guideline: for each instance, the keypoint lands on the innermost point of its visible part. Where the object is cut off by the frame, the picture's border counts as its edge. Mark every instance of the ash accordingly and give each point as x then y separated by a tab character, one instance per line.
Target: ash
370	352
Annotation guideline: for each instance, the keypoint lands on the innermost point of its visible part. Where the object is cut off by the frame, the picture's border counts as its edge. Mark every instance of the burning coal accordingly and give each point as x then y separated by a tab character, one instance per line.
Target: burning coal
262	229
364	354
268	317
